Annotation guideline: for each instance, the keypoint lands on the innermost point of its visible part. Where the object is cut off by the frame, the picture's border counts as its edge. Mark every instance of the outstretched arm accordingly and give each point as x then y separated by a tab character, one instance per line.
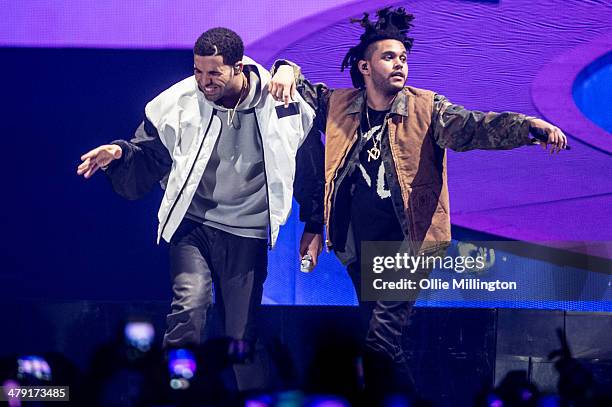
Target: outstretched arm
134	166
461	129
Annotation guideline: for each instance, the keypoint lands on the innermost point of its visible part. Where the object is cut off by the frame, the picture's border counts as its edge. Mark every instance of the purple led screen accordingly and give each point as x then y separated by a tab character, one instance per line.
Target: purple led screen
142	23
487	55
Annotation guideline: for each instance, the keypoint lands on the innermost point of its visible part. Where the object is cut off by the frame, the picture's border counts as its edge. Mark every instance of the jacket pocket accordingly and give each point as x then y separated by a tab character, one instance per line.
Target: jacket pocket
425	210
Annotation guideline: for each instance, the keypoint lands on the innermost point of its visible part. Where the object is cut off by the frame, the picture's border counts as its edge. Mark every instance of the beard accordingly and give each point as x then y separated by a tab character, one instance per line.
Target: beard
387	85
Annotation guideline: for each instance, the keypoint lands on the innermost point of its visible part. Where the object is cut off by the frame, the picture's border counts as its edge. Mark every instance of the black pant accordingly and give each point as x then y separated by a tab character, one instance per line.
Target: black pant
383	323
200	256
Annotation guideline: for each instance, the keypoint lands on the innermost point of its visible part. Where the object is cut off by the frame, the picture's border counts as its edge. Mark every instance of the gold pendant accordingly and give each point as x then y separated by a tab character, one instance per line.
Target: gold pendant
373	153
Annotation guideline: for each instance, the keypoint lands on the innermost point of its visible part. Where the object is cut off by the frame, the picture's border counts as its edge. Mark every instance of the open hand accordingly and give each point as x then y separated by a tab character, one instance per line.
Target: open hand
97	158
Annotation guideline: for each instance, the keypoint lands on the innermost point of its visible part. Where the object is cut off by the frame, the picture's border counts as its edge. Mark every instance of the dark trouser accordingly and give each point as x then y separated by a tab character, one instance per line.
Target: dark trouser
383	323
199	256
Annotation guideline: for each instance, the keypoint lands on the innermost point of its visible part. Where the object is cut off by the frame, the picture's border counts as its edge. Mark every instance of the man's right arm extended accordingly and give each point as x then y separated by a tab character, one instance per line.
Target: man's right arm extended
134	166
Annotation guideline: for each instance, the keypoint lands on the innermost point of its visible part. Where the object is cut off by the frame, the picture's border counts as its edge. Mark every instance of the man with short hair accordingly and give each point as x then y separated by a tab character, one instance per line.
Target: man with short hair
225	150
381	175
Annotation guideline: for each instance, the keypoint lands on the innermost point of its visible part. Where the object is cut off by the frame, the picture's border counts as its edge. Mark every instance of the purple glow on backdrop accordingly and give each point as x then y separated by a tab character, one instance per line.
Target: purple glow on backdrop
142	23
481	54
486	56
552	92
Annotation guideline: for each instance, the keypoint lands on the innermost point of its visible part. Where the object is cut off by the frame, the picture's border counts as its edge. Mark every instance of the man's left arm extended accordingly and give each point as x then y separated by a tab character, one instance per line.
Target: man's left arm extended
460	129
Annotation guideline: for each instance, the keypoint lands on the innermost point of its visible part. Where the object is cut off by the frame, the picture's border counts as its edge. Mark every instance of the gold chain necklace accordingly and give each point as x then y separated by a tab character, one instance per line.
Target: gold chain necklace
232	112
374	152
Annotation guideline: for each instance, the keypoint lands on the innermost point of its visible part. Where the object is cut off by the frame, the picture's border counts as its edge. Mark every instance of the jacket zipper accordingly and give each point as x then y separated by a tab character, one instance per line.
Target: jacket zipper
214	113
263	154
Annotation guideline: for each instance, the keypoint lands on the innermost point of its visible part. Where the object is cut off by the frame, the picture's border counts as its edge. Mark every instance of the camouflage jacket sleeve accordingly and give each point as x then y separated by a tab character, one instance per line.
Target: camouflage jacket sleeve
460	129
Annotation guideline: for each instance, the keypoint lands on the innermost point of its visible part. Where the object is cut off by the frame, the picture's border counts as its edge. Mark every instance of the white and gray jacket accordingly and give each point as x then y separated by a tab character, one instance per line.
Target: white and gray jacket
176	139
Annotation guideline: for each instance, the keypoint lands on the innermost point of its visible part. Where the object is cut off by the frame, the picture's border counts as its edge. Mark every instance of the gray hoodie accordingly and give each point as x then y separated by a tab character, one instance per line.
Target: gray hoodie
232	191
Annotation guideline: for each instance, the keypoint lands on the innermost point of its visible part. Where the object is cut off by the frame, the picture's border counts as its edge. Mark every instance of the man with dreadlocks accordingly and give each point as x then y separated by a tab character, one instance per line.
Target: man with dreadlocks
384	177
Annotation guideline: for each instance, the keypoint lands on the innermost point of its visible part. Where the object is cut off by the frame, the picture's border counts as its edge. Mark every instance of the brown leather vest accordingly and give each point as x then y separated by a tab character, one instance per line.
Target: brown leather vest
420	164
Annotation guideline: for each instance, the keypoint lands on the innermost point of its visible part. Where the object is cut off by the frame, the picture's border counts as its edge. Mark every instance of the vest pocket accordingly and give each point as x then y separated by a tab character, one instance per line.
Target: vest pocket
424	210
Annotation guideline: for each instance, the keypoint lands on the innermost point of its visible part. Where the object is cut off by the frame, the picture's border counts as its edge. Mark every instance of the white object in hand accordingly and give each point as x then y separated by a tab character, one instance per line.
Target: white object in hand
306	264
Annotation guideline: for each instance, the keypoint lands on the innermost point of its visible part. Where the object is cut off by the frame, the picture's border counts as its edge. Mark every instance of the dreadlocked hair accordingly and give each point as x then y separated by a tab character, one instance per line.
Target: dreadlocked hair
390	25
